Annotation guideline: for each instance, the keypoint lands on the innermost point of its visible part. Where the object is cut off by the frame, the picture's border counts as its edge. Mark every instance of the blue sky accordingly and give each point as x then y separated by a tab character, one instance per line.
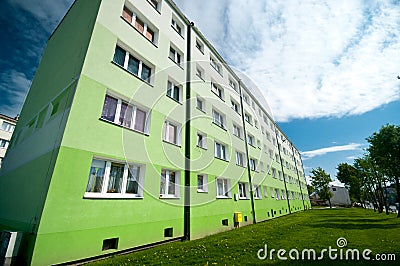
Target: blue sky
327	68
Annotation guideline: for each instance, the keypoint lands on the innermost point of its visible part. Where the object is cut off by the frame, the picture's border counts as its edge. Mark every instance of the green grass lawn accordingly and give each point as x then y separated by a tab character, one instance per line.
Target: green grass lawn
314	229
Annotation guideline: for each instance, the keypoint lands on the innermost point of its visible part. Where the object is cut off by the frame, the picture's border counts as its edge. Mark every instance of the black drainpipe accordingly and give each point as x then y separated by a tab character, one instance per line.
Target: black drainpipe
247	155
186	208
298	178
283	171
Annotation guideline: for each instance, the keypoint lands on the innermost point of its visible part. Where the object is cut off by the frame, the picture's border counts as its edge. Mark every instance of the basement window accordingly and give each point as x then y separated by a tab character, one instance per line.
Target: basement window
111	243
168	232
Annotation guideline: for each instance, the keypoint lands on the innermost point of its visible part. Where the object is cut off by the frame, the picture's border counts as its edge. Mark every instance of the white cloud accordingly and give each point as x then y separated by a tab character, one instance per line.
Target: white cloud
14	87
310	58
349	147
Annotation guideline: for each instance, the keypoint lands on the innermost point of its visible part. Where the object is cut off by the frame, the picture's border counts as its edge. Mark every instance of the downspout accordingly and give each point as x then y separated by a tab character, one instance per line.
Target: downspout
298	178
247	155
186	208
283	172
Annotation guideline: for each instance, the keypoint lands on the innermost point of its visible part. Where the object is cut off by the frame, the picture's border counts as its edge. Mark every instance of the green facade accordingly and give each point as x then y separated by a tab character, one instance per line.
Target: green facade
45	173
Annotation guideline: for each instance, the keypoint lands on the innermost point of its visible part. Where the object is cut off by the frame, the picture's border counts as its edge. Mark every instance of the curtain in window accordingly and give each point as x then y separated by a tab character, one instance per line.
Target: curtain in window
162	183
220	188
172	133
127	14
150	35
176	93
119	56
109	108
132	185
200	182
171	185
133	65
96	176
116	176
140	120
125	118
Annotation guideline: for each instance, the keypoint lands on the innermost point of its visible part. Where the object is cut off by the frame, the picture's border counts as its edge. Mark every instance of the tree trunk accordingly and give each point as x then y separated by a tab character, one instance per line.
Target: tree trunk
384	198
330	204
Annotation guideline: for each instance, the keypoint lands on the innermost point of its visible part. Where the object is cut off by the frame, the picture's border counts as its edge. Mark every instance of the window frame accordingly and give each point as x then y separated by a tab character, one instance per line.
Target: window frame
257	192
177	26
237	131
240	159
218	122
171	85
218	90
226	187
106	179
135	19
203	104
216	65
203	140
204	186
253	164
177	186
222	149
7	127
178	57
178	133
243	190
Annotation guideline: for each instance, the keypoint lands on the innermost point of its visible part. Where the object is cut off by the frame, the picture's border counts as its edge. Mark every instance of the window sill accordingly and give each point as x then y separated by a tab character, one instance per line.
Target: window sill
243	166
218	96
201	110
199	49
222	127
251	145
221	159
121	126
169	197
258	198
174	99
158	11
200	77
174	144
89	195
180	34
121	67
127	22
238	137
202	191
223	197
243	198
216	70
181	67
204	148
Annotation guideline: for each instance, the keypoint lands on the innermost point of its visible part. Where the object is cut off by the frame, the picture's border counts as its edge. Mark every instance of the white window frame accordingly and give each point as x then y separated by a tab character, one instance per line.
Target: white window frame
237	131
274	173
203	103
217	90
177	56
199	45
204	187
257	192
178	132
170	86
203	143
240	159
248	118
222	149
145	24
134	113
106	178
250	140
235	106
233	85
8	127
221	119
253	164
266	191
277	192
216	65
4	144
226	188
200	72
140	68
177	26
243	190
166	193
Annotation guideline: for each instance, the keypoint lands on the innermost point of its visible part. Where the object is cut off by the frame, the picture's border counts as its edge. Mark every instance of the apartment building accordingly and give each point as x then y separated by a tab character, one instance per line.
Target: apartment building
135	131
7	125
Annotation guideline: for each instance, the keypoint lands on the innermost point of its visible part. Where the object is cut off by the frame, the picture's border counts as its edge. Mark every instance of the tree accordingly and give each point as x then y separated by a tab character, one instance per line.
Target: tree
320	182
385	153
348	175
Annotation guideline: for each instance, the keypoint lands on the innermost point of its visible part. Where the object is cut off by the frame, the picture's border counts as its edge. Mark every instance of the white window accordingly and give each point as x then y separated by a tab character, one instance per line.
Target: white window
217	90
223	187
253	105
115	180
250	140
200	72
280	175
255	123
200	46
139	25
177	26
126	115
277	158
218	119
174	91
248	118
243	190
7	127
240	159
155	4
215	65
246	98
262	167
202	183
235	106
200	104
221	151
237	131
3	143
169	185
257	192
172	132
259	144
202	140
268	135
175	56
134	65
273	172
253	164
233	85
278	197
265	120
271	153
